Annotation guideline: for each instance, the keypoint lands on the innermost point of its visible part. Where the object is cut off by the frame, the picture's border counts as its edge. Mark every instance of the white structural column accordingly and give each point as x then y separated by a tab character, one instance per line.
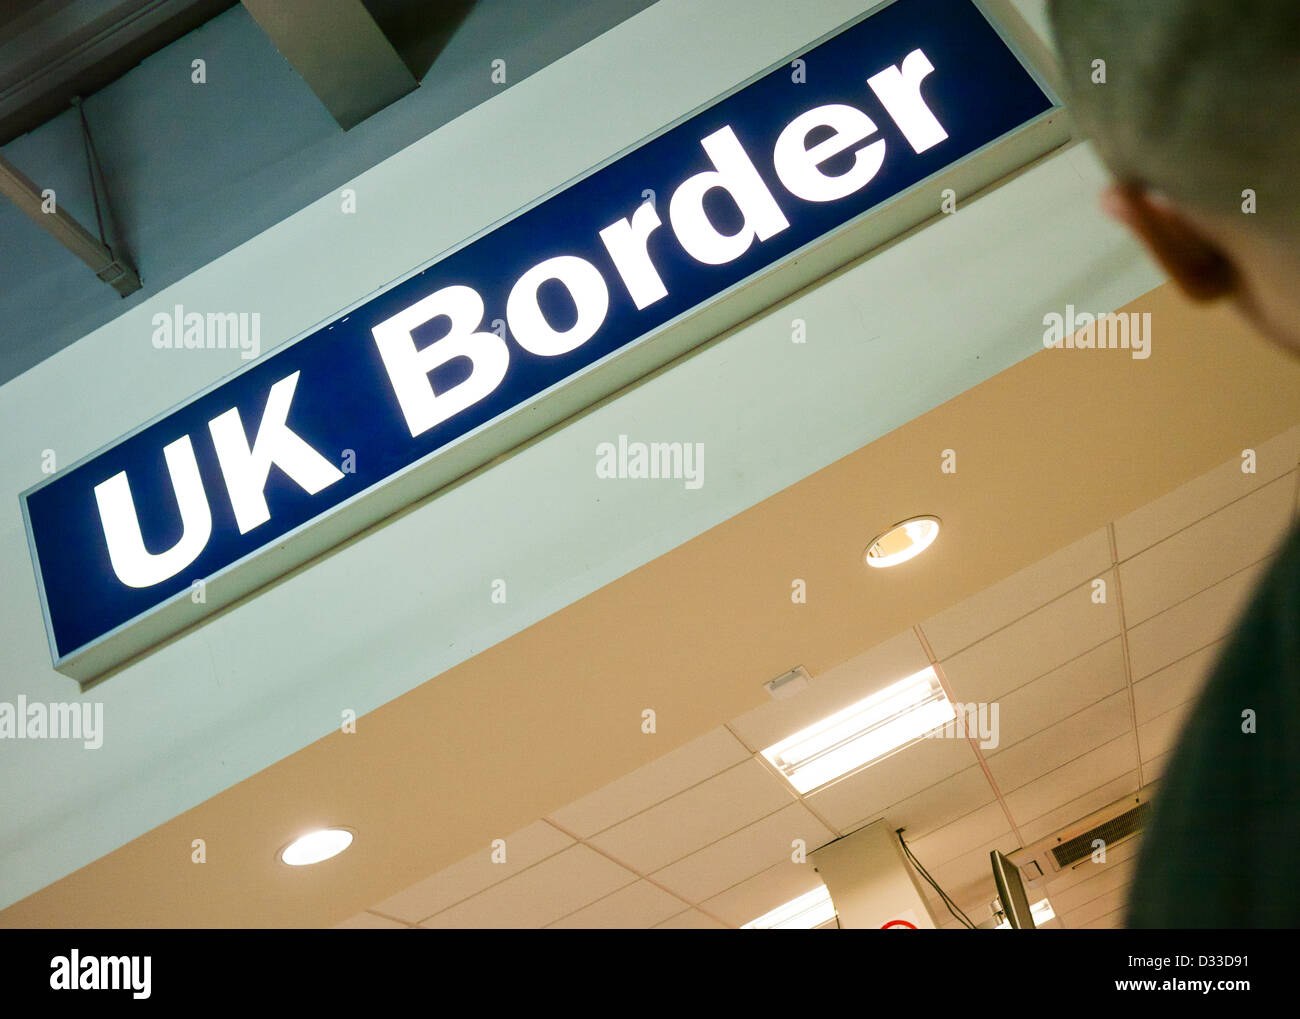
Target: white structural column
870	882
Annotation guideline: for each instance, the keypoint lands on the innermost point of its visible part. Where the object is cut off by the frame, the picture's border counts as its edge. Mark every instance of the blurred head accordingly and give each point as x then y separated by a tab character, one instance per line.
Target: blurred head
1195	107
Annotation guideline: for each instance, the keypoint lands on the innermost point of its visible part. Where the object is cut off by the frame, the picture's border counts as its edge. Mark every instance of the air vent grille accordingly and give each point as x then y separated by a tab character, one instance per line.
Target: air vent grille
1080	847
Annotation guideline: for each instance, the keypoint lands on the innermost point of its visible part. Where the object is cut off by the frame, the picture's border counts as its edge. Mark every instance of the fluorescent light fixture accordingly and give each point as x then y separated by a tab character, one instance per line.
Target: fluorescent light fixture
863	732
1041	911
812	909
902	542
316	846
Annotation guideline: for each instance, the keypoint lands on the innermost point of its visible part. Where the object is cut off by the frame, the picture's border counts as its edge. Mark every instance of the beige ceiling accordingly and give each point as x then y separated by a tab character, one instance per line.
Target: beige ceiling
1090	697
1069	467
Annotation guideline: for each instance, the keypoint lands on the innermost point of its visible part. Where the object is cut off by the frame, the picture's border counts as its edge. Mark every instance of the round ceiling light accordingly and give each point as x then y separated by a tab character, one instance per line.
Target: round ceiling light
316	846
902	542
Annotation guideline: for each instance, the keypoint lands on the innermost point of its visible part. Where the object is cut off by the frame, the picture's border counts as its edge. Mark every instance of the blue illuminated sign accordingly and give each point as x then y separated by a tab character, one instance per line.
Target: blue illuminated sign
241	472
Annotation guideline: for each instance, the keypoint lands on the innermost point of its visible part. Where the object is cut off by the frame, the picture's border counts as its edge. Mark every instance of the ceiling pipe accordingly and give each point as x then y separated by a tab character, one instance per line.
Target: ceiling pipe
112	269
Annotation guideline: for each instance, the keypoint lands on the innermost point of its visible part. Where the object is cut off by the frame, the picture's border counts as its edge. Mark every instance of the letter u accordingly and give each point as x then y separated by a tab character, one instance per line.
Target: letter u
134	565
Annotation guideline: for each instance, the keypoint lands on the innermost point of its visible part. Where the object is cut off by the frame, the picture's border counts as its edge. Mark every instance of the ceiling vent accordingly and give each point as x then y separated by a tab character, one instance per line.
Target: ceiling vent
1075	844
1111	833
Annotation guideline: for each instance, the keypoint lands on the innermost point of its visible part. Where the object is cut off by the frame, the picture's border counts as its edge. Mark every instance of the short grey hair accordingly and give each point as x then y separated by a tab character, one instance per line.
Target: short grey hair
1201	98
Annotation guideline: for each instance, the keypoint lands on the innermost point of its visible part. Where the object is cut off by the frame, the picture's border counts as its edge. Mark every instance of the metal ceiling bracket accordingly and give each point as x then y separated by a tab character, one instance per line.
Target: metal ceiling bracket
112	268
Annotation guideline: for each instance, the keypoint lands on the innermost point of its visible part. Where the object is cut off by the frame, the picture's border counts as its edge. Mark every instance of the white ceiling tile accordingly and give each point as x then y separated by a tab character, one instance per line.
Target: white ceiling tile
1032	646
1114	878
1190	625
1072	780
1102	905
1068	813
1018	595
1174	684
936	805
1206	552
474	873
1154	768
1020	764
539	895
976	899
1109	922
985	824
652	783
634	907
868	792
836	688
694	818
1159	736
691	920
743	854
762	893
1202	496
968	878
1047	700
369	922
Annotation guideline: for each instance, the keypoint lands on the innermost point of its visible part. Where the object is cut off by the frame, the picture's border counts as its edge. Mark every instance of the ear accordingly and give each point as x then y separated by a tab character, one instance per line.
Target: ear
1195	262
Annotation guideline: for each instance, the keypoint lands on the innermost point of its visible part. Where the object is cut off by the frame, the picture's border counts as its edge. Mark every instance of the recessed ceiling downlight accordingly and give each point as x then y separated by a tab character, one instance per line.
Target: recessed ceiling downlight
316	846
902	542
